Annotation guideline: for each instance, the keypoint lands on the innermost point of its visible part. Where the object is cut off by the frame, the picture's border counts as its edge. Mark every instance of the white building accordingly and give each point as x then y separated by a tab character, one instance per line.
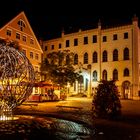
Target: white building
103	53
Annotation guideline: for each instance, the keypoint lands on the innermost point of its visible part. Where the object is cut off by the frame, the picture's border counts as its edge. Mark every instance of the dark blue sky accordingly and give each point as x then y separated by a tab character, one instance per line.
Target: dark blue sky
47	18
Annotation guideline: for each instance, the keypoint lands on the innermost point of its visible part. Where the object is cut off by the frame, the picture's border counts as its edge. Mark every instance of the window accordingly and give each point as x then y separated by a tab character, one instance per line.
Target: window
52	47
31	55
115	74
94	38
94	58
95	75
104	38
126	54
24	38
104	77
24	51
126	35
115	37
85	40
104	56
46	48
75	42
8	32
86	58
36	56
76	59
115	55
21	24
31	41
67	43
17	36
60	46
126	72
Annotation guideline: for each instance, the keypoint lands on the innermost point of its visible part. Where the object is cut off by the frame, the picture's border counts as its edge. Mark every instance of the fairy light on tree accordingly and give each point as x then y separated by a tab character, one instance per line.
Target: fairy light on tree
16	79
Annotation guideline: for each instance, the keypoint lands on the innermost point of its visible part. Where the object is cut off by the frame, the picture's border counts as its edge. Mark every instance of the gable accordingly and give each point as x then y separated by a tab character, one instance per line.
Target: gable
21	27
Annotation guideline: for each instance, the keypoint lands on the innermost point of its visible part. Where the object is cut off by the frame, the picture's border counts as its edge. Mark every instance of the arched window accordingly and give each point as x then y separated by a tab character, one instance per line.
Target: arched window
94	57
115	55
95	75
67	59
115	74
104	75
104	56
21	24
126	54
86	58
75	59
126	72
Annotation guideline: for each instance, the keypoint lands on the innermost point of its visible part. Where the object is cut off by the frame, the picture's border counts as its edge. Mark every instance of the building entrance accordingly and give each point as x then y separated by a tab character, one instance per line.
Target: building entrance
126	90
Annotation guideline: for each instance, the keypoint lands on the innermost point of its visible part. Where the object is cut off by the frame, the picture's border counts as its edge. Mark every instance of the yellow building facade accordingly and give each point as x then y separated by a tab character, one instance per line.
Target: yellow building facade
103	54
18	29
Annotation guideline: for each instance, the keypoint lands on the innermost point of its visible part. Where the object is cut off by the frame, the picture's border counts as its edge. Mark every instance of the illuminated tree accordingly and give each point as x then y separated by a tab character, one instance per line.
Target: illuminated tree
58	67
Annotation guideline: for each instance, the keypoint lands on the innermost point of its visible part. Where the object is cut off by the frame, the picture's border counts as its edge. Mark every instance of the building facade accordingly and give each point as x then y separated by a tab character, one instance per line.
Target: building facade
18	29
103	54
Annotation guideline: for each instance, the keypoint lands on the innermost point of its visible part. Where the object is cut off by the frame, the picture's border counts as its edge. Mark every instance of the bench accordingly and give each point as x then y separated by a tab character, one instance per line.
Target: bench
61	107
30	104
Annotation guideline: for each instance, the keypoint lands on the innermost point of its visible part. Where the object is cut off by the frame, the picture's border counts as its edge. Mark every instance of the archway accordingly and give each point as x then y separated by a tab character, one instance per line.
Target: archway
126	90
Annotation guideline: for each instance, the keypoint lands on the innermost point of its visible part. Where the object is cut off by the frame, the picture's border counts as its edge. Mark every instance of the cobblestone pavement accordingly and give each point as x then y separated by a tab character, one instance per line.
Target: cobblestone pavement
125	128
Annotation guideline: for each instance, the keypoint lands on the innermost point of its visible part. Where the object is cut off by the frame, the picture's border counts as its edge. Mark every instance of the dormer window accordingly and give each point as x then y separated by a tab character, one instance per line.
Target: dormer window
21	24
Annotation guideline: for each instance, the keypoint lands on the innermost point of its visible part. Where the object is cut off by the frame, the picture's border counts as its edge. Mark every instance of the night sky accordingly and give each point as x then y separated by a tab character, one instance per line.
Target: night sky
48	18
